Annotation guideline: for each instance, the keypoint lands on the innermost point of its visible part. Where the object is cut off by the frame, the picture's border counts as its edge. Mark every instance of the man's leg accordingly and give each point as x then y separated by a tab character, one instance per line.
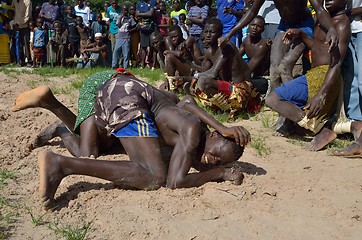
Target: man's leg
43	97
125	52
296	114
116	53
145	170
278	50
173	63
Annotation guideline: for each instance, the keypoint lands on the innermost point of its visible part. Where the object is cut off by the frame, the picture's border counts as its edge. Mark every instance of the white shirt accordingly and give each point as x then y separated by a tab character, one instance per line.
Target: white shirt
356	25
85	13
269	12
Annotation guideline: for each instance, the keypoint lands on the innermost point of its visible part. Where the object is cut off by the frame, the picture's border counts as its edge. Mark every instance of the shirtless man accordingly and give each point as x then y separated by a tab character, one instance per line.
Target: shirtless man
79	132
294	14
258	51
179	54
310	100
224	72
129	109
158	44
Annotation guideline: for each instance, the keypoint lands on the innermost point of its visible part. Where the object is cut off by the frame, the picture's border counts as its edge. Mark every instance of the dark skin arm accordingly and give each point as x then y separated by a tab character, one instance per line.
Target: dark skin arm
261	52
325	20
355	12
238	133
297	33
245	20
146	14
337	56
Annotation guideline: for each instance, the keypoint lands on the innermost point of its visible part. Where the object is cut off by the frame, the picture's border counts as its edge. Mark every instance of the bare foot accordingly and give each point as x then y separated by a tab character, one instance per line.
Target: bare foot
50	174
47	134
356	129
353	149
321	139
234	174
284	128
31	98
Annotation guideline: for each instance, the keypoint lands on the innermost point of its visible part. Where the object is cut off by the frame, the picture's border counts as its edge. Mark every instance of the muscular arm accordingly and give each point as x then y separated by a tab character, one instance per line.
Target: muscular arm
337	56
325	20
260	53
356	12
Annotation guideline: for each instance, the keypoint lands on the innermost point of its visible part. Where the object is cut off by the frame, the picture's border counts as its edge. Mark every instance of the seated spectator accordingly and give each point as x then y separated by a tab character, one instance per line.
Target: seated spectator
93	54
258	53
158	43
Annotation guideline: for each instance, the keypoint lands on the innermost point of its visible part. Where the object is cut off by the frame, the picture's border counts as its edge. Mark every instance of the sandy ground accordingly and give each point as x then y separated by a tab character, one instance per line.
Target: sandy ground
288	194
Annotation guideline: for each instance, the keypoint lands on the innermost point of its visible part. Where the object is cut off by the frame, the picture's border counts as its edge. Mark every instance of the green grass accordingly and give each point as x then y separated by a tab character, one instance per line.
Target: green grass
71	232
4	176
152	76
36	219
259	144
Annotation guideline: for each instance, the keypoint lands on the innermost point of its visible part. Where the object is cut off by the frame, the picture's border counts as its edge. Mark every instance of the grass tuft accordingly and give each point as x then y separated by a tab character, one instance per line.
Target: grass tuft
69	232
35	219
258	143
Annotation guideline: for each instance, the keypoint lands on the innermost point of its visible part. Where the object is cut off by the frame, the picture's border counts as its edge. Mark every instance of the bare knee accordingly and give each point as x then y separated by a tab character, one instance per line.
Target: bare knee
272	100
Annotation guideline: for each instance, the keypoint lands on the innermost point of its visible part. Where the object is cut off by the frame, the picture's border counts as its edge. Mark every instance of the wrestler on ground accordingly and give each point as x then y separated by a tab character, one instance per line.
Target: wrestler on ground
310	100
130	109
91	141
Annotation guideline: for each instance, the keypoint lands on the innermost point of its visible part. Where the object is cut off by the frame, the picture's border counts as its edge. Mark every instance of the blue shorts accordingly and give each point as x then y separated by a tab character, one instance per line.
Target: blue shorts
294	91
306	26
143	126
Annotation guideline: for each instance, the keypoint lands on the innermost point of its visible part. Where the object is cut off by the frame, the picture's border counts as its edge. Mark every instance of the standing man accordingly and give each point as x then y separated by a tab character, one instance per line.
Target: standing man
22	19
229	12
49	12
196	18
83	11
112	13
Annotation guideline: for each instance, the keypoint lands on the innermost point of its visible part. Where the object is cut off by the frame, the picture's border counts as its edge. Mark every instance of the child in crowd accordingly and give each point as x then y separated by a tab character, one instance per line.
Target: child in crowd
73	34
162	19
59	44
83	31
98	26
40	41
183	26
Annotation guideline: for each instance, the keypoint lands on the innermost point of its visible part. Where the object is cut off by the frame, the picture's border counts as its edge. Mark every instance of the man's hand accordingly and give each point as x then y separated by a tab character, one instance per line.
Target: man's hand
228	10
290	34
222	41
315	105
240	134
233	174
332	39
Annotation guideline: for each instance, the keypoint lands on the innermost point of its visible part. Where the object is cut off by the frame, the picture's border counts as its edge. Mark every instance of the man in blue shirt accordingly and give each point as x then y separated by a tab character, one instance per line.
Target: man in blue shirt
229	12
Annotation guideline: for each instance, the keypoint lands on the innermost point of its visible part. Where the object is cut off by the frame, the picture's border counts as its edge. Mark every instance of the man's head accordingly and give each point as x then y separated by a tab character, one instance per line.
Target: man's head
156	40
124	10
39	22
182	17
335	6
114	4
69	10
175	33
105	5
199	3
174	21
99	39
212	31
219	150
57	26
81	3
132	10
99	17
256	27
162	6
79	20
176	5
52	2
